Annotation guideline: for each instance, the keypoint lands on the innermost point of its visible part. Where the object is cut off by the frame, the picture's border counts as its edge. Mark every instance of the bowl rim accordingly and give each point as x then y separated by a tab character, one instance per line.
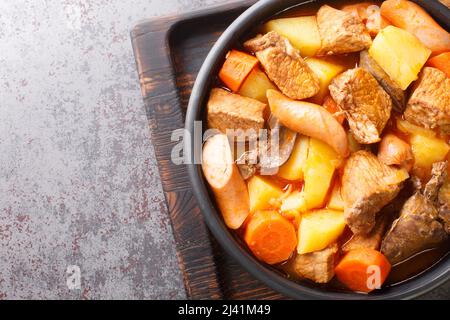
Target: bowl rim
409	289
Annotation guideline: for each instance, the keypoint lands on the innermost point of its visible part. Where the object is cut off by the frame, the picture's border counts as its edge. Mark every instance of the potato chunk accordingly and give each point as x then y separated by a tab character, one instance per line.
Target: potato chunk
256	86
320	166
428	150
294	168
261	192
325	70
400	54
302	32
319	229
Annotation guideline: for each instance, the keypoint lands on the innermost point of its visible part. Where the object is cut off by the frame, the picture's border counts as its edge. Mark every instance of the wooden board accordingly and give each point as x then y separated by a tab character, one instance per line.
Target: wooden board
169	51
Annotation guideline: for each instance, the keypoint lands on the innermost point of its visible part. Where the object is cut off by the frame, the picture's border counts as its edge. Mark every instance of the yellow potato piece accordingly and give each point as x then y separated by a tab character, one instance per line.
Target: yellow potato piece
294	202
302	32
336	202
319	229
409	128
293	169
326	70
256	86
428	150
400	54
320	166
261	192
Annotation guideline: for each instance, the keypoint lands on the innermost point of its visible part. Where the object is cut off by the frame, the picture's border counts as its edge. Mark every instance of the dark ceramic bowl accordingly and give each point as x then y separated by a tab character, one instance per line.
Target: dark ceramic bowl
241	27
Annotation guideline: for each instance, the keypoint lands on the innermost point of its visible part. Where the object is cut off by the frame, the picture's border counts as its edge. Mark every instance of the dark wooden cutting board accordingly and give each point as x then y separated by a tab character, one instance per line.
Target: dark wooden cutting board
169	52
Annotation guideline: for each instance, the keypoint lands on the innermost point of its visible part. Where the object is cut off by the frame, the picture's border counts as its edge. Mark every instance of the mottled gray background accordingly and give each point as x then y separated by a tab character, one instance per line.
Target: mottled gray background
78	179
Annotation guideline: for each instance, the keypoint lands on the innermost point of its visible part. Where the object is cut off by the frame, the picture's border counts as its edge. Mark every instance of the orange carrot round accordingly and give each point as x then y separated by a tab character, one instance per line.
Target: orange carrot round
441	62
271	237
411	17
363	269
236	68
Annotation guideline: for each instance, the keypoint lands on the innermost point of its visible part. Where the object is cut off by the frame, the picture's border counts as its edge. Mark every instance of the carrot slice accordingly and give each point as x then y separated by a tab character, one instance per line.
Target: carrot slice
333	108
236	68
363	269
270	237
441	62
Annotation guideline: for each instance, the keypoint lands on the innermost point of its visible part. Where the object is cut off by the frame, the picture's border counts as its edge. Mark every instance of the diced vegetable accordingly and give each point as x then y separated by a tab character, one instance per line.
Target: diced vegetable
428	150
294	202
319	229
411	17
261	192
309	119
326	70
441	62
333	108
336	201
400	54
363	270
302	32
409	128
375	23
320	166
394	151
236	68
270	237
293	169
256	85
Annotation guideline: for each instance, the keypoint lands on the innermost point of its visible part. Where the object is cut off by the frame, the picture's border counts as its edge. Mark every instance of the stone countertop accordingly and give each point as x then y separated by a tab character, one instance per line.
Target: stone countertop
80	197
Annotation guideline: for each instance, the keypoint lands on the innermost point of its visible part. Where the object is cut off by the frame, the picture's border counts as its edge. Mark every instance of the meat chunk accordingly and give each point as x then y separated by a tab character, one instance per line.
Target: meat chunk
317	266
231	111
444	205
396	93
284	65
341	32
372	240
419	226
365	104
429	105
417	229
367	186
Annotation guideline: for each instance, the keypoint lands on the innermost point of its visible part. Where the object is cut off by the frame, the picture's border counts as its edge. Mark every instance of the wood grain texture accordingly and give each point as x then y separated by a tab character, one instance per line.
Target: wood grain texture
169	52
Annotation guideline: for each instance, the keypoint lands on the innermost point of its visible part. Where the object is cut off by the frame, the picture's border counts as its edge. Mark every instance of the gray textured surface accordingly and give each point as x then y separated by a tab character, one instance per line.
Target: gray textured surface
78	178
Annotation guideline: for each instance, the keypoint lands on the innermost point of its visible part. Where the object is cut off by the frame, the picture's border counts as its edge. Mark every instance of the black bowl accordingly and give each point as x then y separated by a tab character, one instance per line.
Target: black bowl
242	26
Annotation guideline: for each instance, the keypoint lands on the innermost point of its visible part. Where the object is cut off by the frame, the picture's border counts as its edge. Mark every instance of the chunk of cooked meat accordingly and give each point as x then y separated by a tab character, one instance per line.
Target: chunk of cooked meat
341	32
367	186
429	105
415	230
372	240
231	111
317	266
397	94
284	65
419	226
444	205
365	104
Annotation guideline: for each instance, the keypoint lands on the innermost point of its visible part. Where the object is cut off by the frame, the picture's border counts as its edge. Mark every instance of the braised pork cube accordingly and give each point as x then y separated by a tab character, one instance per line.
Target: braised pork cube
444	205
341	32
366	105
372	240
429	105
284	65
367	186
317	266
397	94
419	227
231	111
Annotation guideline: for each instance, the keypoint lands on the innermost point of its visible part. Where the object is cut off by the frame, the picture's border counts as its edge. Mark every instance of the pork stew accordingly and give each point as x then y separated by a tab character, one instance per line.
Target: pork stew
331	143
